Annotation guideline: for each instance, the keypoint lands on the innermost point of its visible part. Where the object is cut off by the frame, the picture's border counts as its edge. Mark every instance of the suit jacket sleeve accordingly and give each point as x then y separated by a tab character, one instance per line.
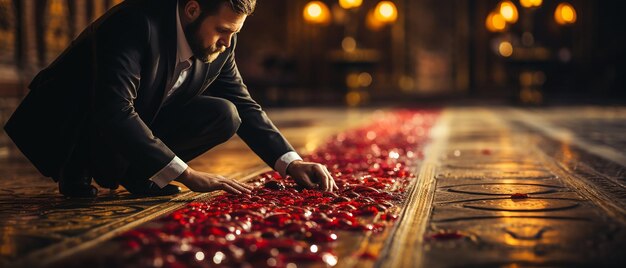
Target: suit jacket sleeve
119	46
256	129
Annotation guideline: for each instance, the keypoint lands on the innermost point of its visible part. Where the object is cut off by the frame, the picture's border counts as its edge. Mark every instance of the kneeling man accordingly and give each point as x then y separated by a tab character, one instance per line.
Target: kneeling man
144	89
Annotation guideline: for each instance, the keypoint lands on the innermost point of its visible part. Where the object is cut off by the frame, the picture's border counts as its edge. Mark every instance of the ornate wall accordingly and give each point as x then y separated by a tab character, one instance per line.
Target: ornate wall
34	32
434	48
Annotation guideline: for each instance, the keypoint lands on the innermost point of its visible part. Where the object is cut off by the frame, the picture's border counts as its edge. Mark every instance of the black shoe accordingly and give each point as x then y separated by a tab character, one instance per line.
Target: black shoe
77	187
107	183
151	189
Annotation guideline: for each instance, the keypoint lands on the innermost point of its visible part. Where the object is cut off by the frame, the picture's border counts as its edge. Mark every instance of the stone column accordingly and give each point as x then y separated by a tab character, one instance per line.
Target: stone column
398	45
461	45
29	61
98	8
80	16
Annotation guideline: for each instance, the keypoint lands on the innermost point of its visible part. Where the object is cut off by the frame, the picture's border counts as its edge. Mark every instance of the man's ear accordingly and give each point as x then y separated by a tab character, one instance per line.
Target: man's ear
192	10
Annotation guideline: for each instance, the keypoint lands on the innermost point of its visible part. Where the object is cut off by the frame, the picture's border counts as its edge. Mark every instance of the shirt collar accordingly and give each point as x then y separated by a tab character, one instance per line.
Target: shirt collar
183	52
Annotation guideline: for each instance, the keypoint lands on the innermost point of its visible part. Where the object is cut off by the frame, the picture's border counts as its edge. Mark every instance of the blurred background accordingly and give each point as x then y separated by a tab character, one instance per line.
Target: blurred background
367	52
331	56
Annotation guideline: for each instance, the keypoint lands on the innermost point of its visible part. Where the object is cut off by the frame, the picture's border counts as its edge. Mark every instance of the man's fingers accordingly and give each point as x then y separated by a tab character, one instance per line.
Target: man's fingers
239	186
229	189
335	187
307	181
233	183
242	184
331	181
333	184
248	186
324	179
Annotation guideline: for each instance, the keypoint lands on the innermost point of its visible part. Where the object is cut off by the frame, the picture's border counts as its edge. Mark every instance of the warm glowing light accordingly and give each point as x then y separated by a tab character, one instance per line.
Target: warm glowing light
230	237
355	80
565	14
219	257
526	79
347	4
365	79
329	259
316	12
348	44
386	12
505	48
495	22
508	11
353	98
530	3
371	135
352	80
372	22
406	83
529	95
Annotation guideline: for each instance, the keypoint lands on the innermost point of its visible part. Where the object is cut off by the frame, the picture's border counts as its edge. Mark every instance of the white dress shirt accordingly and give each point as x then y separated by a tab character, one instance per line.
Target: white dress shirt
177	166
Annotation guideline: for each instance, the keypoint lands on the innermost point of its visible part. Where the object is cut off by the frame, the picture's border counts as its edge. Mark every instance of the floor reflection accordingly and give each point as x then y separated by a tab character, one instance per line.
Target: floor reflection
567	161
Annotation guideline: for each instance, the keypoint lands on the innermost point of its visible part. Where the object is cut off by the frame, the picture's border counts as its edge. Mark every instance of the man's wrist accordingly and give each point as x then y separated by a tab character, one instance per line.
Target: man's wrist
290	165
184	176
283	162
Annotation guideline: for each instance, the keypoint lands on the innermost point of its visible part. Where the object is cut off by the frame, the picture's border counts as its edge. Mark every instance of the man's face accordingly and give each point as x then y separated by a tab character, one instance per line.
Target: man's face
211	35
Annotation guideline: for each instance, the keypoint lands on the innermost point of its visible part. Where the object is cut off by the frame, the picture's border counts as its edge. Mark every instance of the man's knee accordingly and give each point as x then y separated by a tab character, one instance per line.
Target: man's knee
230	120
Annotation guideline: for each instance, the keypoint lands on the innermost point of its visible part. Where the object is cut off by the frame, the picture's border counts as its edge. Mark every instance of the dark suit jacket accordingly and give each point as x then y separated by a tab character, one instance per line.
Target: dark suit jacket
112	79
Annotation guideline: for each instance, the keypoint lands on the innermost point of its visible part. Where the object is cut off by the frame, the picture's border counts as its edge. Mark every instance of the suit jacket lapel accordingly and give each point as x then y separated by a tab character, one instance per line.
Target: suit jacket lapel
197	76
169	48
167	58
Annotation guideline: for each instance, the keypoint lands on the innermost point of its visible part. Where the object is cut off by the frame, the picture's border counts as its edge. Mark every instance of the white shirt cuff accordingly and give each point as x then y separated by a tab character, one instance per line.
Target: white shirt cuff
283	162
170	172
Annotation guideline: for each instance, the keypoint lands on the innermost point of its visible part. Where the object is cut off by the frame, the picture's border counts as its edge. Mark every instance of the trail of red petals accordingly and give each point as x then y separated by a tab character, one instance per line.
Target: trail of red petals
280	224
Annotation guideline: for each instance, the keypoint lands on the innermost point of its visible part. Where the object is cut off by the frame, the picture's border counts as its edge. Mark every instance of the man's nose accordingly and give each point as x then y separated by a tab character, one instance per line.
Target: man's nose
225	41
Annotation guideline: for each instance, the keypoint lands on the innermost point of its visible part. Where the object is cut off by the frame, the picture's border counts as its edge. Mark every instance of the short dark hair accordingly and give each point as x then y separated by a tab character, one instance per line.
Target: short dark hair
212	7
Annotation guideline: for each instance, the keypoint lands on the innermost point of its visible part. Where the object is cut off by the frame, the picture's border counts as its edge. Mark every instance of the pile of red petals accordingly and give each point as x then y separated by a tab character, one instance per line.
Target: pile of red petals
281	223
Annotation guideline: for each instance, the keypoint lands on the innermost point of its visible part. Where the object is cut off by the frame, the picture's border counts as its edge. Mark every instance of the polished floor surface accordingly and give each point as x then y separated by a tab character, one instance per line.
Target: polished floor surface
498	186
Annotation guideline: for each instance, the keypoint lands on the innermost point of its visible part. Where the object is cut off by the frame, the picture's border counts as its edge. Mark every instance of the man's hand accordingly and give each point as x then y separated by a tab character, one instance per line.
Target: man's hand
205	182
311	175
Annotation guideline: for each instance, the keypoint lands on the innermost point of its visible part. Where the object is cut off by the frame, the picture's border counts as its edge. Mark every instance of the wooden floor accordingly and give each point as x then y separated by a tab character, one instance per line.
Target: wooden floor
498	186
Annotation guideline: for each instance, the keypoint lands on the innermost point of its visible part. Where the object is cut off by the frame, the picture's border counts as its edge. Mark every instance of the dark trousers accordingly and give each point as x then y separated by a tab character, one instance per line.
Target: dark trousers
188	129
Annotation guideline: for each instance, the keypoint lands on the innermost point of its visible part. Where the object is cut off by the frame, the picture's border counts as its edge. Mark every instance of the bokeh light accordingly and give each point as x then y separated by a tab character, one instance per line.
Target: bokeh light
316	12
508	10
347	4
386	12
348	44
565	14
495	22
505	49
530	3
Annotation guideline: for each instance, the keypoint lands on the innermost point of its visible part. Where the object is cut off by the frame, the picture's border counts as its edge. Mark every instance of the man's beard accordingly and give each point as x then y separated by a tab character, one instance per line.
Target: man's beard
208	55
205	54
